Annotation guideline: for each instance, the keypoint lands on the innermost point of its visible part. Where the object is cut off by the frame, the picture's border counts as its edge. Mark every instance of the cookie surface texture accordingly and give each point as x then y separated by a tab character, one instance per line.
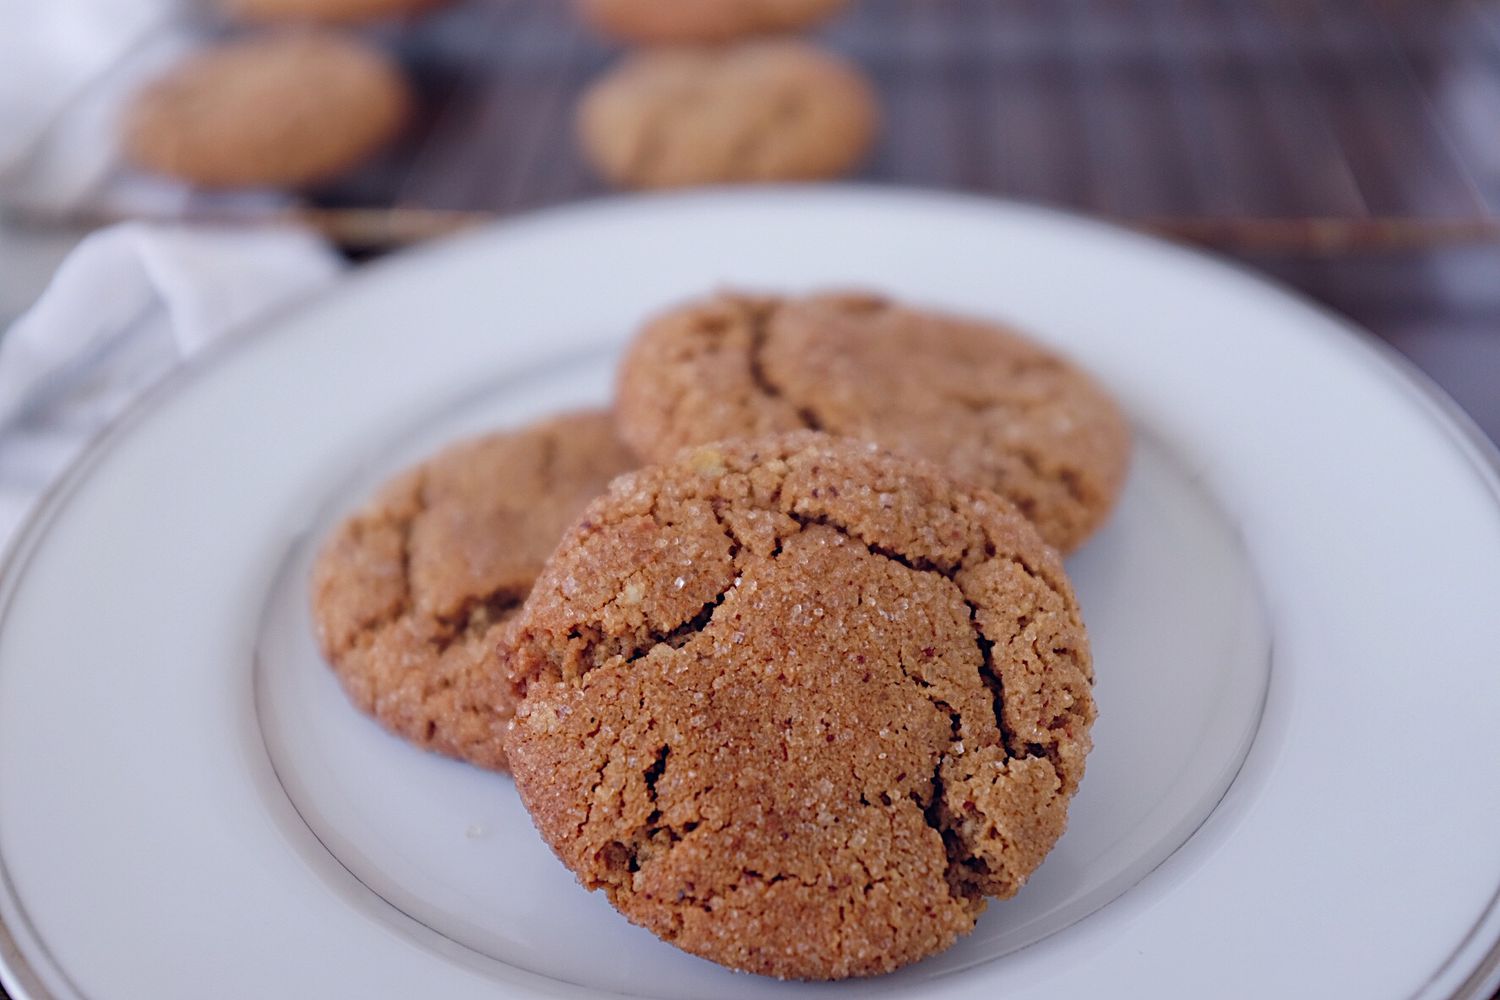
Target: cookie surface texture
656	22
759	111
287	108
799	706
992	407
411	594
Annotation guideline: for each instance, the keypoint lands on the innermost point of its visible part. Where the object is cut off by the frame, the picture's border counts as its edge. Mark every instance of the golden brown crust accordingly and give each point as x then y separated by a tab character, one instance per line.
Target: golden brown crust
990	406
322	11
760	111
285	108
412	593
687	22
799	705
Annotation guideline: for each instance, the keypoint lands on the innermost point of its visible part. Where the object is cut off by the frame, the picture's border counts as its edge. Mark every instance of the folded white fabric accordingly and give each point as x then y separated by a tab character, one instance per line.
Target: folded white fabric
128	305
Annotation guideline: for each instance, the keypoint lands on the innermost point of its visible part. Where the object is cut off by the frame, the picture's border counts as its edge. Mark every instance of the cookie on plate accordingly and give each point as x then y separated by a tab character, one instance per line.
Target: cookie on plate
800	706
411	593
282	109
679	22
992	407
325	11
759	111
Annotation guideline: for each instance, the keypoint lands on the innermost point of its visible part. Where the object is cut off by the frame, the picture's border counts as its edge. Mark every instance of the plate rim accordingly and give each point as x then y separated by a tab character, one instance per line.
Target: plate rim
18	972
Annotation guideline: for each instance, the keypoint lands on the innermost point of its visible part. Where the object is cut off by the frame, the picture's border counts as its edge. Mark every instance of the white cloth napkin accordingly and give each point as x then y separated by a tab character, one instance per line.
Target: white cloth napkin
129	304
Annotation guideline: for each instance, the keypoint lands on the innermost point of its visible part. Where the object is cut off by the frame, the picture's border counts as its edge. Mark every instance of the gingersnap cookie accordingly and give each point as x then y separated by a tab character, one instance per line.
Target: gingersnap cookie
411	593
759	111
288	108
800	706
325	11
686	22
990	406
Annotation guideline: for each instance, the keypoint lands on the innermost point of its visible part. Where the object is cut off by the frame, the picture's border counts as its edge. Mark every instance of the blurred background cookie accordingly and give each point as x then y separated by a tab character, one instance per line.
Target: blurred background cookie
685	21
326	11
288	108
759	111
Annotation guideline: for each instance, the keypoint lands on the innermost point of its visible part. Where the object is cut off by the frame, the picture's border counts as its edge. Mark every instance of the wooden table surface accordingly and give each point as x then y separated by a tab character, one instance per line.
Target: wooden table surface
1230	122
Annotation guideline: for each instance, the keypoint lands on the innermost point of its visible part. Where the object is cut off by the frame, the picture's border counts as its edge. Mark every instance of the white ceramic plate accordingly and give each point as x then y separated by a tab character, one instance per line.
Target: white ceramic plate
1295	788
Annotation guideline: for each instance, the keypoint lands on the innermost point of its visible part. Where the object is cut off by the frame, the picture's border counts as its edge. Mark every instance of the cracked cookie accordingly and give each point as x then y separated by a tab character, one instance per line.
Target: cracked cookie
990	406
285	108
759	111
800	706
411	593
679	22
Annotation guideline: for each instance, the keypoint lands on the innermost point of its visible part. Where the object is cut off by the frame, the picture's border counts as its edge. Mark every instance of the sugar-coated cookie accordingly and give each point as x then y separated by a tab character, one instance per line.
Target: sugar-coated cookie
800	706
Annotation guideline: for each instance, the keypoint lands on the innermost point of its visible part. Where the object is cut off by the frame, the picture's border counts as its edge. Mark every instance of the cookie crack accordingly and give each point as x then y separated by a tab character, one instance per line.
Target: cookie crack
682	634
988	671
597	652
760	317
649	777
475	616
1007	411
958	872
588	811
991	677
599	649
916	564
679	636
964	872
408	531
370	629
1067	478
623	858
736	543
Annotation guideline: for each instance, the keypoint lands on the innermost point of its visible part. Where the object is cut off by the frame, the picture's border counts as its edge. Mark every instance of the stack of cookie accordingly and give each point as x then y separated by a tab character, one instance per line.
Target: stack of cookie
806	690
719	95
295	102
